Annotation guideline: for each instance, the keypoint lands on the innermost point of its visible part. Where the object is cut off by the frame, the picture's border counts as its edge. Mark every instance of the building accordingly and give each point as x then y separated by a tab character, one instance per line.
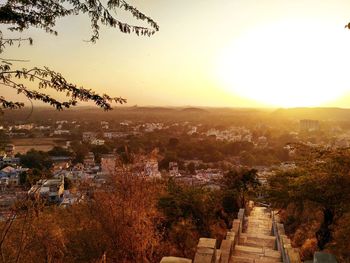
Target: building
151	168
8	160
27	127
174	169
49	189
114	135
60	163
262	141
61	132
206	175
89	136
10	150
105	125
9	176
89	160
309	125
97	142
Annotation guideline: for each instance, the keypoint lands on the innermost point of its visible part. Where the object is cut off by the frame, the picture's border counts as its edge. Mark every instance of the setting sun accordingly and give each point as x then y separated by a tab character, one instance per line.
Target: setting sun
289	63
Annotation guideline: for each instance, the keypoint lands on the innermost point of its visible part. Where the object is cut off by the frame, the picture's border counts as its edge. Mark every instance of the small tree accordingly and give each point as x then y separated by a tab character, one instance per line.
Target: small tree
239	184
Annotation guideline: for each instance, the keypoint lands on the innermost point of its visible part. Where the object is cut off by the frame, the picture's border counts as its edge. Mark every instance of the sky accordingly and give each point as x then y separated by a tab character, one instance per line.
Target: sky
223	53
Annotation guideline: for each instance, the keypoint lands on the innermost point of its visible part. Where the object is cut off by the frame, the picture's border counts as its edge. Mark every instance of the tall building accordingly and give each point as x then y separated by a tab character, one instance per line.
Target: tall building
309	125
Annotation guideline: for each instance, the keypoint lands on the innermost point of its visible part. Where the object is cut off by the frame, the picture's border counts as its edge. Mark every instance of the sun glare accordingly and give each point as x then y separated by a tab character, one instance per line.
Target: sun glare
288	64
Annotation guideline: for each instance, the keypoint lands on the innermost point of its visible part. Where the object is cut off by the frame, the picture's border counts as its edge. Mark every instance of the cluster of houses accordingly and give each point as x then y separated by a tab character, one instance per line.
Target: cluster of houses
10	176
232	134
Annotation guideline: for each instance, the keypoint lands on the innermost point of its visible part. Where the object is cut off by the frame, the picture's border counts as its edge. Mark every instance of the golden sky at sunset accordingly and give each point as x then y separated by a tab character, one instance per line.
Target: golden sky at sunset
235	53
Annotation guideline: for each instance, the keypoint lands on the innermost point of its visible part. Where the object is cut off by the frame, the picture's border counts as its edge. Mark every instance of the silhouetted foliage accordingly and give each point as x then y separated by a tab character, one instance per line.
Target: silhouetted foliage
19	15
59	151
36	159
190	212
237	186
322	179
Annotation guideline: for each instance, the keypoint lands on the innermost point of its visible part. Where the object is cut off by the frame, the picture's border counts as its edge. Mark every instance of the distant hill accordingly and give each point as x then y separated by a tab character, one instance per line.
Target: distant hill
149	109
194	110
322	114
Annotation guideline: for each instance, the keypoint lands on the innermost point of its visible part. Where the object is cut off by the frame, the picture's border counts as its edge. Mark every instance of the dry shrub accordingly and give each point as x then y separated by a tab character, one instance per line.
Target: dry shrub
341	239
128	216
308	249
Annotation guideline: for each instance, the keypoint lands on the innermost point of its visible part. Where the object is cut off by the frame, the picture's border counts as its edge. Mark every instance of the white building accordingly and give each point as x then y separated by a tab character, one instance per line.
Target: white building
151	168
97	142
89	136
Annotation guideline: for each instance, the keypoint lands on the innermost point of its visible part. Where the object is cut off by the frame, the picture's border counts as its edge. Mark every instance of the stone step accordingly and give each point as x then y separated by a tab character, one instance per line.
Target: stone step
258	230
248	252
256	252
239	259
268	260
247	259
256	244
257	240
271	253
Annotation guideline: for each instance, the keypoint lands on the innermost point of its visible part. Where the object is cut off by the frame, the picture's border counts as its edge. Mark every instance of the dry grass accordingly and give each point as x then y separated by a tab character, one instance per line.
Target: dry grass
23	145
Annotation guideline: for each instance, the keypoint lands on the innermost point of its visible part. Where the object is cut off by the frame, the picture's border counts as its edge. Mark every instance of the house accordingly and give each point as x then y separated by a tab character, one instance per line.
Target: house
206	175
10	150
49	189
7	160
89	136
97	142
151	168
60	163
61	132
9	176
114	135
28	127
89	160
105	125
174	169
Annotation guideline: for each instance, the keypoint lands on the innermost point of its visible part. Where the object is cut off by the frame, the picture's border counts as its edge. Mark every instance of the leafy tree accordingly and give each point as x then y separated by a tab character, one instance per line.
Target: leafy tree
322	179
59	151
239	184
98	150
173	142
20	15
67	183
80	151
169	157
36	159
31	176
247	158
191	167
198	205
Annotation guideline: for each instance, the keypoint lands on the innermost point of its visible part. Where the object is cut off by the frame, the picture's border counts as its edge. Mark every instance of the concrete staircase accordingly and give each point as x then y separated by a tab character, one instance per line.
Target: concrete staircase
255	244
256	238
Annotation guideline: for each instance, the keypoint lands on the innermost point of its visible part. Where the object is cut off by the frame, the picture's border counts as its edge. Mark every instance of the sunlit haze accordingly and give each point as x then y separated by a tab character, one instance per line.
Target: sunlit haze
241	53
288	63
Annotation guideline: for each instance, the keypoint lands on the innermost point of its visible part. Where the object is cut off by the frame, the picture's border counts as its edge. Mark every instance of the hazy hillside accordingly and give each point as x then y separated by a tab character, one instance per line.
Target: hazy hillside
323	114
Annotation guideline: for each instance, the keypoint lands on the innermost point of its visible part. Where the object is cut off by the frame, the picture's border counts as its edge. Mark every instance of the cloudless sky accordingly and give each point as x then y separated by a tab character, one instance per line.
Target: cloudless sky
189	61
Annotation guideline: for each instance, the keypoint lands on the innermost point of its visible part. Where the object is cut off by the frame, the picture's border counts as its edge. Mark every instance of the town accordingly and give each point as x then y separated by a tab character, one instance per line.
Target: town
63	162
193	152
